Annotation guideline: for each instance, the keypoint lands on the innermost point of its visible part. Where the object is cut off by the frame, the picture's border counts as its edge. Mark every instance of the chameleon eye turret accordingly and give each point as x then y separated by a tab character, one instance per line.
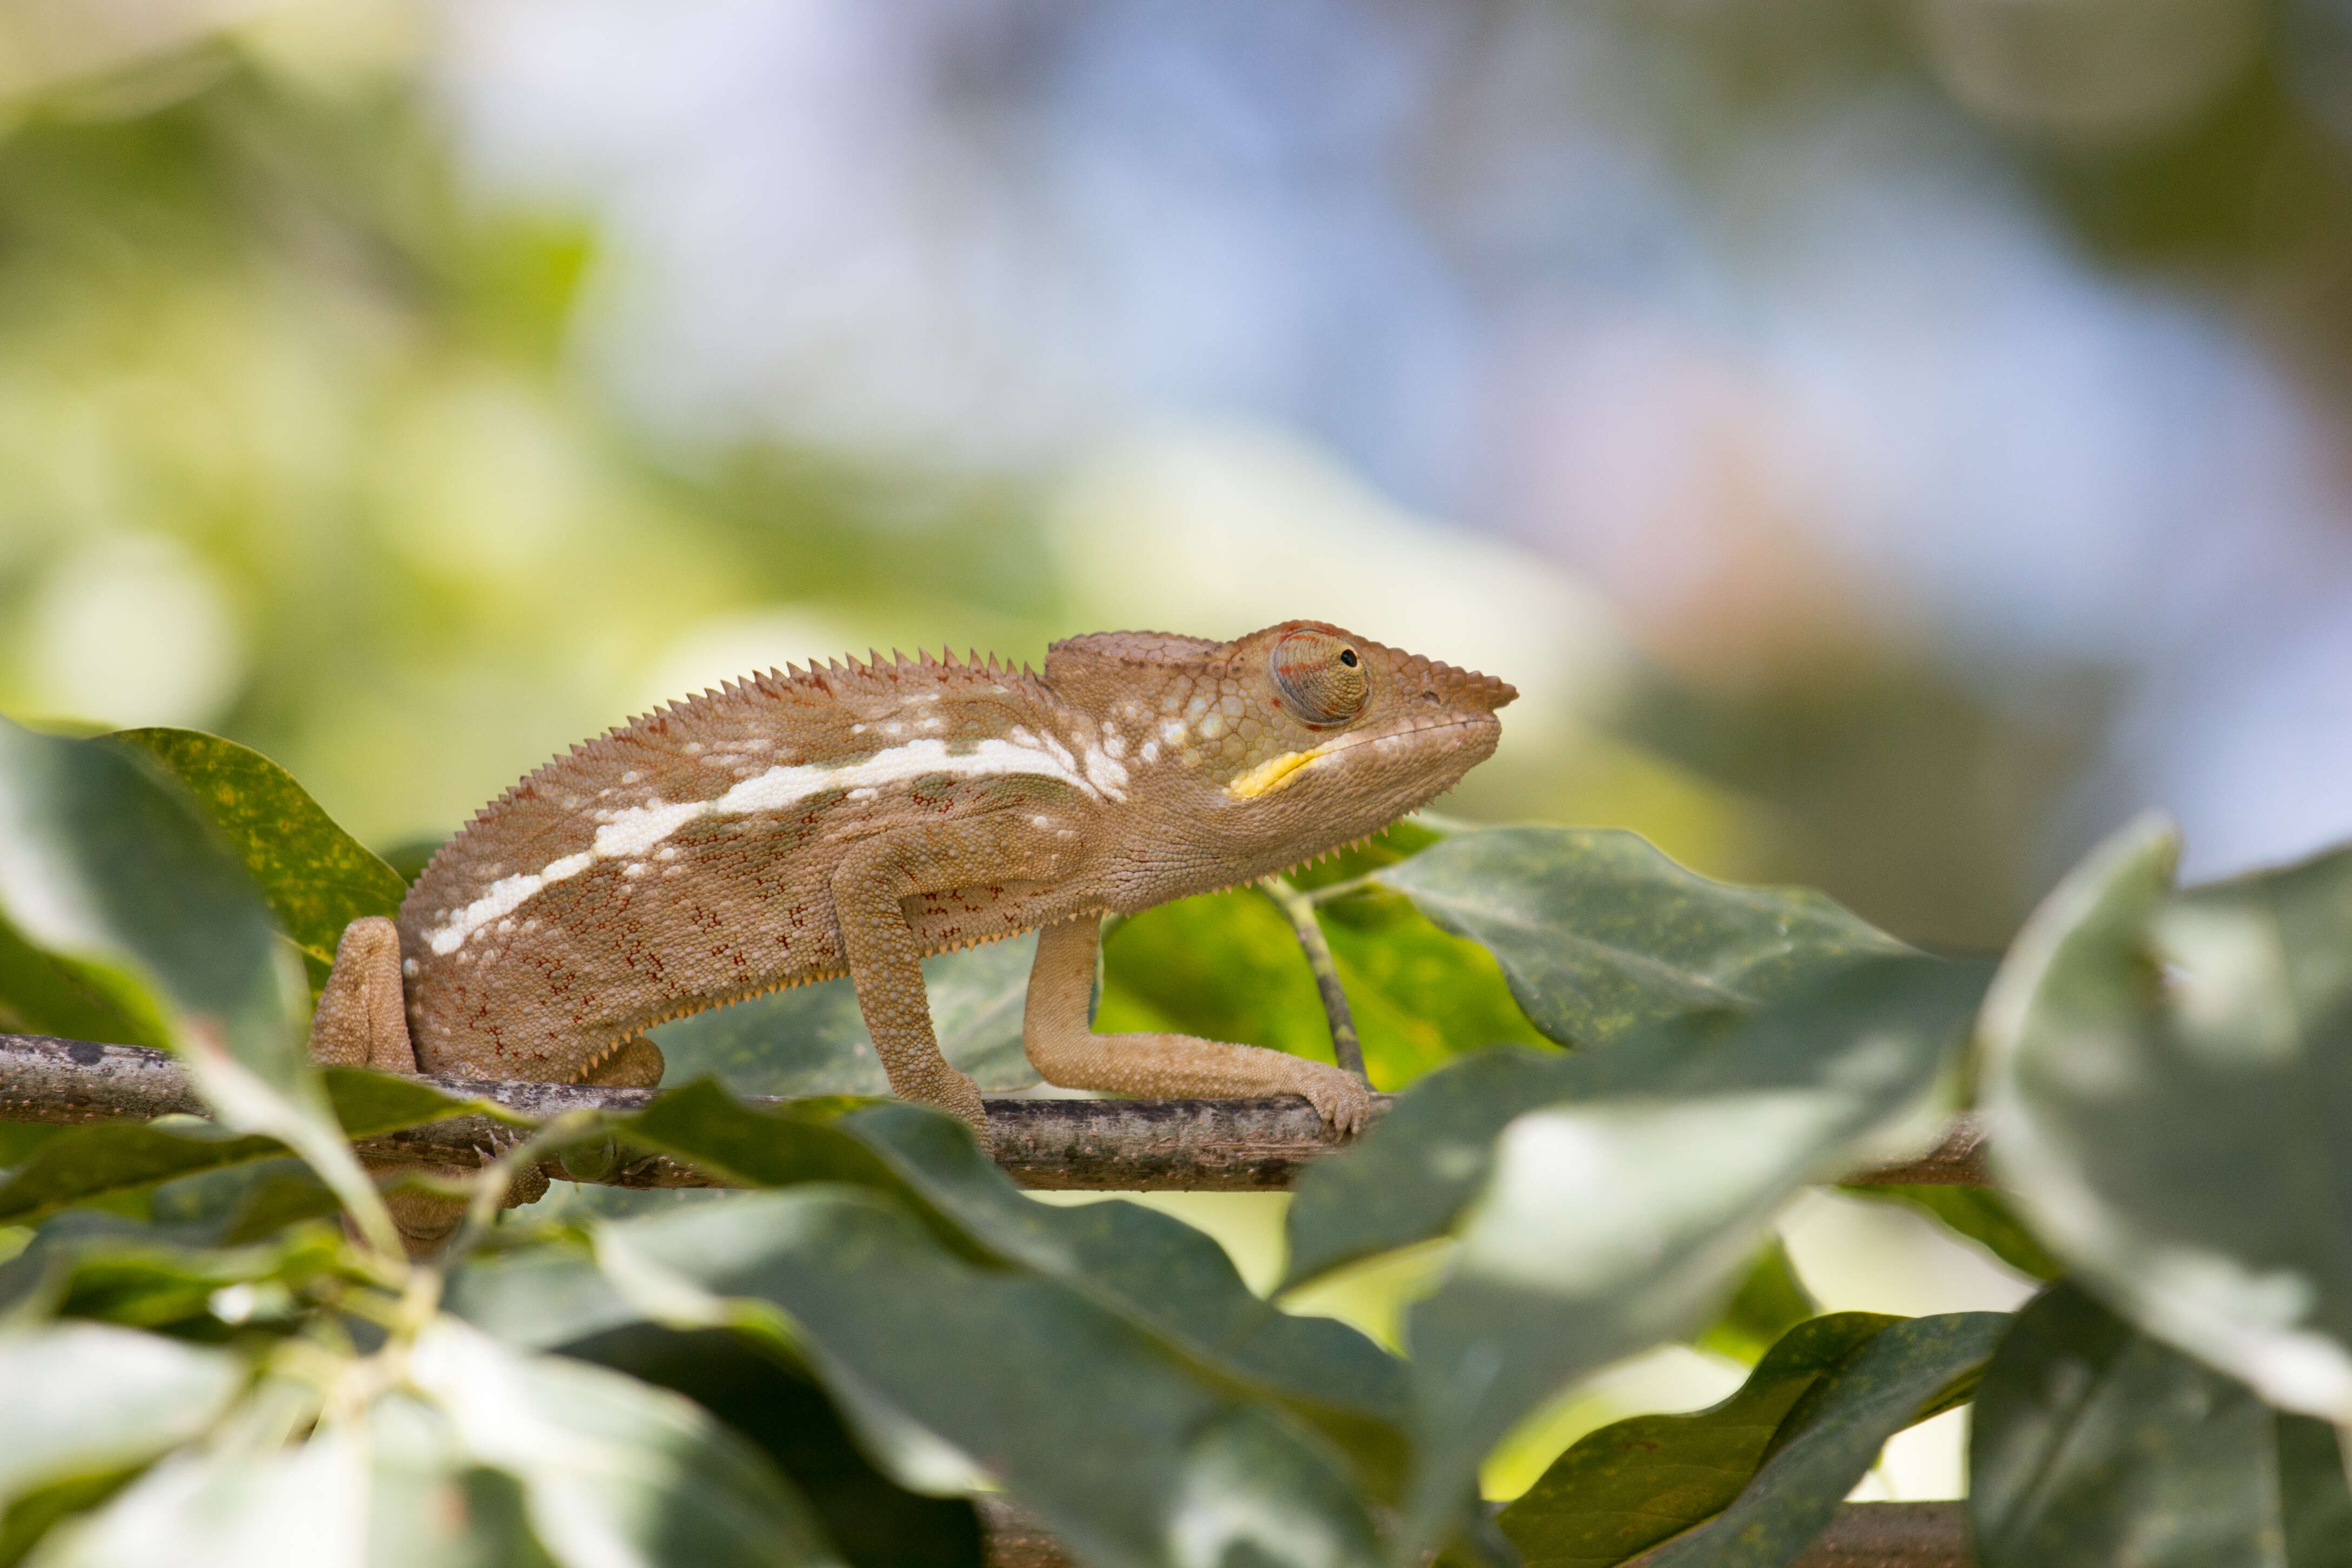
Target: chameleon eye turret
795	826
1320	676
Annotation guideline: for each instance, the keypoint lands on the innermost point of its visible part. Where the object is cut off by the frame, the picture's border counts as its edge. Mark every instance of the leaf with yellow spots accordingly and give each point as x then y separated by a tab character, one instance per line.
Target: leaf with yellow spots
316	877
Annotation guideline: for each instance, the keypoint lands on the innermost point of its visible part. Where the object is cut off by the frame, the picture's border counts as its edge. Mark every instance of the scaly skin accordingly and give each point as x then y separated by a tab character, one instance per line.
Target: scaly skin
793	827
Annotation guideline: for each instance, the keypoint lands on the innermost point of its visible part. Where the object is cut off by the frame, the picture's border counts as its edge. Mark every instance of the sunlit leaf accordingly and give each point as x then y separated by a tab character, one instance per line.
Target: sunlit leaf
812	1040
951	1373
612	1470
1904	1373
1981	1214
87	1399
2169	1092
1409	1179
1605	1229
2092	1443
316	877
303	1506
1225	966
1600	934
1619	1491
782	1411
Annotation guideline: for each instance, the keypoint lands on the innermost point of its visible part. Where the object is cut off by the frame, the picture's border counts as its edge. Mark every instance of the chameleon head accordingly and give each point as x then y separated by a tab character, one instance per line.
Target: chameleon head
1302	737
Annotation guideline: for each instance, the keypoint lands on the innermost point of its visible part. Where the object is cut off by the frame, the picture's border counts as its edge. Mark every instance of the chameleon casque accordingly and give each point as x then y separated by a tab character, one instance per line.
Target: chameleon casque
792	826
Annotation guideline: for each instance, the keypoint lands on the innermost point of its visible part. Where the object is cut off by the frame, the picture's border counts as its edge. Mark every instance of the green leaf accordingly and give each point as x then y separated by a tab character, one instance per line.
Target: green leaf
90	1400
1770	1302
1619	1491
1984	1216
105	864
2168	1098
1902	1375
316	877
1162	1275
2094	1443
612	1470
209	1506
1620	1217
1410	1178
811	1040
120	1273
1225	966
42	993
952	1373
1422	995
783	1412
97	1161
104	1158
1600	934
106	867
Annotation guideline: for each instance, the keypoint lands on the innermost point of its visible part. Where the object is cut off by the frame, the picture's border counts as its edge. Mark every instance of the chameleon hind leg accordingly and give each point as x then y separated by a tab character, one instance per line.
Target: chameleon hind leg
1057	1033
363	1022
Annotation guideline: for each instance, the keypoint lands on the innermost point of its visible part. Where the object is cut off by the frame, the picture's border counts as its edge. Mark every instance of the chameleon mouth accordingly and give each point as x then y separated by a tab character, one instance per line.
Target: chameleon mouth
1269	776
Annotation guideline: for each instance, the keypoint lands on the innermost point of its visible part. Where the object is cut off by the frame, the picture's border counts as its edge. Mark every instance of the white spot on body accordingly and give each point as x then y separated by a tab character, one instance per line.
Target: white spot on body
637	832
1172	731
1151	751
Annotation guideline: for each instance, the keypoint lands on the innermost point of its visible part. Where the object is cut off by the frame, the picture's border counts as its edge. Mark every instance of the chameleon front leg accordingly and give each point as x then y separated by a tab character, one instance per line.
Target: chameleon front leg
1057	1032
870	890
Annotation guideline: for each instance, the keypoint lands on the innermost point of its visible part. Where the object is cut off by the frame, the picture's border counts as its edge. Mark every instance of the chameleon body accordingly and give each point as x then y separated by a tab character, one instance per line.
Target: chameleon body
854	818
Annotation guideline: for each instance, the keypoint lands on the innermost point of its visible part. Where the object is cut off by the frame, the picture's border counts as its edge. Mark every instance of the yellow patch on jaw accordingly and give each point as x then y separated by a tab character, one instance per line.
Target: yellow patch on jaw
1274	775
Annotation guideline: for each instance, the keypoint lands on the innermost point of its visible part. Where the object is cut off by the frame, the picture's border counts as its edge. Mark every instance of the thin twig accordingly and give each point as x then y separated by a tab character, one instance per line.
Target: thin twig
1346	1049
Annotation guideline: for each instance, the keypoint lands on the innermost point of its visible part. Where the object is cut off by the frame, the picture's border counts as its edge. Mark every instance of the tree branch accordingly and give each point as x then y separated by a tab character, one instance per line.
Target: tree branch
1214	1145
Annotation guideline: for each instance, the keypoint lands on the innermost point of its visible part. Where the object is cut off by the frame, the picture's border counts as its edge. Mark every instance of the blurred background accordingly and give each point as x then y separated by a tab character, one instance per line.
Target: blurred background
1888	445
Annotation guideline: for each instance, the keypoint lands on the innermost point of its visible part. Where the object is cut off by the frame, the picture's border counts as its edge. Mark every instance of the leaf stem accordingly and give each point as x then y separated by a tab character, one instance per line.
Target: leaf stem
1345	1047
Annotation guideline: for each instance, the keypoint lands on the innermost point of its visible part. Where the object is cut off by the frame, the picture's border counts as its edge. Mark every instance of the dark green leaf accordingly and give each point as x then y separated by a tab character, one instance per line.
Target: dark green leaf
2094	1443
108	1157
1623	1216
1600	934
1770	1302
952	1373
1161	1274
1904	1373
2170	1097
316	877
1619	1491
1981	1214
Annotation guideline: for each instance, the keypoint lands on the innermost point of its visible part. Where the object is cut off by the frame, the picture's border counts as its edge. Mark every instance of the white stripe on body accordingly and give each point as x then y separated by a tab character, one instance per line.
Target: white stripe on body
633	833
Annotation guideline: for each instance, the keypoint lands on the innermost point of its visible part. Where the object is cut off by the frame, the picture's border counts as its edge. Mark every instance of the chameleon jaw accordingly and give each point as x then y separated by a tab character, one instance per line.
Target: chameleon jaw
1272	775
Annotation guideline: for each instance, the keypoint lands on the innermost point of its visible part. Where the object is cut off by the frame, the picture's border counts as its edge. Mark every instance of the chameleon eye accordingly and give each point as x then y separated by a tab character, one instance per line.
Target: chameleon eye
1320	677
